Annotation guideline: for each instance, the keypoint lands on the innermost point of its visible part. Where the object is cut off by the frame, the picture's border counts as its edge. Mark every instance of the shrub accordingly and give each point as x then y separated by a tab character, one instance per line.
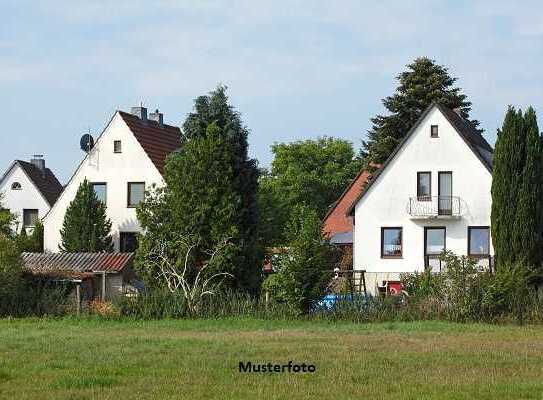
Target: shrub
305	271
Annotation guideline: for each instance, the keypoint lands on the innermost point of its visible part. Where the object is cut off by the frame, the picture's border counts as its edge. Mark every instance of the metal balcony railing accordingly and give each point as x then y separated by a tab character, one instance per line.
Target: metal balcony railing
434	206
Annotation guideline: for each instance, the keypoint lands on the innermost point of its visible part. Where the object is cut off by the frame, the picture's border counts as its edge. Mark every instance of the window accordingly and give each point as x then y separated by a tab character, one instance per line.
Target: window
478	241
434	240
391	242
136	192
434	131
128	242
117	146
424	186
30	217
16	186
100	189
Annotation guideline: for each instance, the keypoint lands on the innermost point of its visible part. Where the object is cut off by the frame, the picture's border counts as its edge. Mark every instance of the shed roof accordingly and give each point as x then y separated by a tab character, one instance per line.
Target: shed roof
75	263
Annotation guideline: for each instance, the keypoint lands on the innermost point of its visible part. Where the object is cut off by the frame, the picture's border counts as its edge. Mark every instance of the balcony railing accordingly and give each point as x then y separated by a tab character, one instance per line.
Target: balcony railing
434	207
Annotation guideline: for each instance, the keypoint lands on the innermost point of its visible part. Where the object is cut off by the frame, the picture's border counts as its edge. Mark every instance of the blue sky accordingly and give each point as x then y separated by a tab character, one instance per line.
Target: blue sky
295	69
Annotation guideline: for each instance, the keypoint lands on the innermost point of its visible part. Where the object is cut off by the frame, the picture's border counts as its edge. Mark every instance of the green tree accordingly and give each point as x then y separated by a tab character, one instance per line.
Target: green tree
309	172
423	82
528	226
6	220
86	227
517	226
32	243
305	271
210	194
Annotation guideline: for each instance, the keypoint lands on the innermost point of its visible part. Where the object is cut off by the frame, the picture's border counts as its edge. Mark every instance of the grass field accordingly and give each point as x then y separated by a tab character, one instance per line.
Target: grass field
88	359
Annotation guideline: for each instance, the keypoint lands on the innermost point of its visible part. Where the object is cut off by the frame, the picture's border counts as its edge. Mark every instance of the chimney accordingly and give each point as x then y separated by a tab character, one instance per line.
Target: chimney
157	117
38	161
140	112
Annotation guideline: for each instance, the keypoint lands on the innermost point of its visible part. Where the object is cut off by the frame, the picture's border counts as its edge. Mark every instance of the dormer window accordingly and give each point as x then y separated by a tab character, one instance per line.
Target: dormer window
434	131
117	146
16	186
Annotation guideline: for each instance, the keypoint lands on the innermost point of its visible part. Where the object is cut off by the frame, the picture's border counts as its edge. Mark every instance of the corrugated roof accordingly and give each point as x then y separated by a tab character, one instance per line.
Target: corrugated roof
46	182
75	263
157	141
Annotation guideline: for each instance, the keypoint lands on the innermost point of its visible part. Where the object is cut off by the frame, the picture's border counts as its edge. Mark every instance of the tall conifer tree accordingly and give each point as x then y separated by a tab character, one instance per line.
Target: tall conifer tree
86	227
516	190
210	192
423	82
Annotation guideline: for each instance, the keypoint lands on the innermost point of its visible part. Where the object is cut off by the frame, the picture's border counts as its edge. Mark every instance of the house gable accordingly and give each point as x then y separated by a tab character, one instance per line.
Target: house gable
471	137
104	165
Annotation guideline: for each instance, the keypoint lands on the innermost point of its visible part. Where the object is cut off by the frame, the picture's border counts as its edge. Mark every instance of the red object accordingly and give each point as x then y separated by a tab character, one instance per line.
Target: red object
394	287
337	220
156	141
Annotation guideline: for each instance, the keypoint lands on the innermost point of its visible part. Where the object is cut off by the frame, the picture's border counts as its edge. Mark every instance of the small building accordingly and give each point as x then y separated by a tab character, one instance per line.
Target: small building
126	160
432	194
96	276
29	190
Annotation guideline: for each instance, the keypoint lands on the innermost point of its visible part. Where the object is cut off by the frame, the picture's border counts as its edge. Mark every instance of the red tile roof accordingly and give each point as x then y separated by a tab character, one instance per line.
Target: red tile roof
156	141
75	263
336	220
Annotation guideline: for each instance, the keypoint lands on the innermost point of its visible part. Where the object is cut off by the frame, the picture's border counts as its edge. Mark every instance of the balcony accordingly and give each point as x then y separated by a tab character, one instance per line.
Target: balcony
435	207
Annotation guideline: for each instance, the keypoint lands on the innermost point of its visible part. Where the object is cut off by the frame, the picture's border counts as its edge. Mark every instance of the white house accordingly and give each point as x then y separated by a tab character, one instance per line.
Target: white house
29	189
127	158
433	193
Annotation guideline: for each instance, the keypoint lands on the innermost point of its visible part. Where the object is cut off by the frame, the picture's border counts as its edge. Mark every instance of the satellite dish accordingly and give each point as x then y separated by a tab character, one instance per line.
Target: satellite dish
86	142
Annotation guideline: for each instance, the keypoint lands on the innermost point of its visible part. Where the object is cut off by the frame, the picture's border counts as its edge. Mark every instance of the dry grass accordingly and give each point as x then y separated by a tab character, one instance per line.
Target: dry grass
80	359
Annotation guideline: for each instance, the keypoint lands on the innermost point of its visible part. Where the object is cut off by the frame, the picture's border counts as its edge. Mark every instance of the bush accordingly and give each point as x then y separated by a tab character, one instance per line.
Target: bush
462	293
305	271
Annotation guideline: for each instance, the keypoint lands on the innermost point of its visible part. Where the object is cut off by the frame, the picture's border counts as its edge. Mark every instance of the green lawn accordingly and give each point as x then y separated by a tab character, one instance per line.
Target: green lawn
80	359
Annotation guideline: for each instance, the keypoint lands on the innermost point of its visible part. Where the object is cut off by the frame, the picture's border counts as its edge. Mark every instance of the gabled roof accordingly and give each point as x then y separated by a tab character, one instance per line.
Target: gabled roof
471	136
157	141
45	181
74	264
336	220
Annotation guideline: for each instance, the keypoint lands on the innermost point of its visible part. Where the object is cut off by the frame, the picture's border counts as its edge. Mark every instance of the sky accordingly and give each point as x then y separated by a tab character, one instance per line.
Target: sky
295	69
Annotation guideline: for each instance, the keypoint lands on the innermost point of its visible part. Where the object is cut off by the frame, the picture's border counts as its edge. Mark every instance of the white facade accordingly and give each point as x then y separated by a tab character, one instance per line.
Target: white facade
19	193
386	202
116	170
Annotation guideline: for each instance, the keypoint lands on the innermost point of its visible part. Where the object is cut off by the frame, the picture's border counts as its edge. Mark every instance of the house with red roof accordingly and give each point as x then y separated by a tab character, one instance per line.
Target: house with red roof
337	224
126	160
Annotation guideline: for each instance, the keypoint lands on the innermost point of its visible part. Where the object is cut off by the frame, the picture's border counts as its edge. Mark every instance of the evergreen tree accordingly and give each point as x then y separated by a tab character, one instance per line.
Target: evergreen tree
6	220
86	227
516	191
210	193
528	227
423	82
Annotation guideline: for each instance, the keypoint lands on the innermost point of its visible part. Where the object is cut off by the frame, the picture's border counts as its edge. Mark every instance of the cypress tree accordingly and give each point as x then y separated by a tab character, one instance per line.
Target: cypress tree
86	227
517	214
423	82
528	228
210	193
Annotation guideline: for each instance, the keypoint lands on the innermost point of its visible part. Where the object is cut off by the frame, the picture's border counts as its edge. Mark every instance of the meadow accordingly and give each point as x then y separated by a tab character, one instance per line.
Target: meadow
87	358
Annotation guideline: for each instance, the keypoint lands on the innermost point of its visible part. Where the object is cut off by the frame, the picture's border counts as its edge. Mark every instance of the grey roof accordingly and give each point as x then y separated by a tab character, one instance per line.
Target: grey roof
342	238
473	138
75	263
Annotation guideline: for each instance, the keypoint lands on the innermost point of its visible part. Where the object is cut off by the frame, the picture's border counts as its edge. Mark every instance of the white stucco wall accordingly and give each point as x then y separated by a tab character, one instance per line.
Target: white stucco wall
114	169
29	197
385	203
